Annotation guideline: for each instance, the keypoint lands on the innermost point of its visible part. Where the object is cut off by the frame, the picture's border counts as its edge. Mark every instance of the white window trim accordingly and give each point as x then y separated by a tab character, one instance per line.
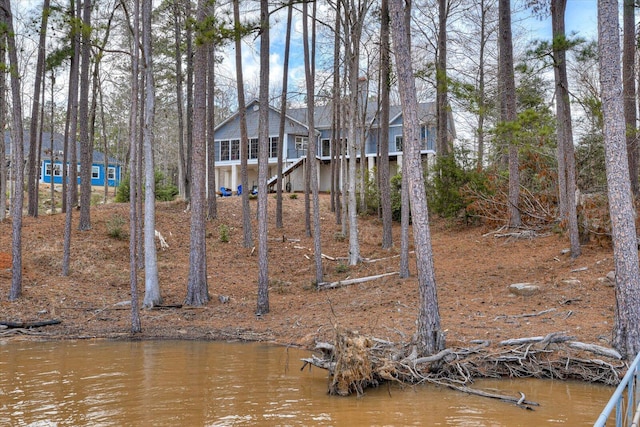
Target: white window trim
401	139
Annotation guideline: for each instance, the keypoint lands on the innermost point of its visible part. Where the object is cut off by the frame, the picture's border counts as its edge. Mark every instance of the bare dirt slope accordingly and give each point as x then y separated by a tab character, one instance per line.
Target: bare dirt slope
473	271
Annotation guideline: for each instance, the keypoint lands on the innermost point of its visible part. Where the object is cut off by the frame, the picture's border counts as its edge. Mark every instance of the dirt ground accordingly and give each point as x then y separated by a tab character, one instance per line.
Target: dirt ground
474	269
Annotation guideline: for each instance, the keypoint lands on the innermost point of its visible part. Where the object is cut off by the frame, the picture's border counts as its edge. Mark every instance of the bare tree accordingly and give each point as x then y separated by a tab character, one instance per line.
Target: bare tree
430	337
197	287
32	165
484	9
283	112
309	72
244	138
566	156
3	114
212	205
134	195
355	13
182	160
405	213
17	139
508	107
336	134
626	334
152	295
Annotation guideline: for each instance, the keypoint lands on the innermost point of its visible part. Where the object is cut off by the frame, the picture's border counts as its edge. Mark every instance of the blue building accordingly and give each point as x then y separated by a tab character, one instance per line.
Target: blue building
227	143
55	155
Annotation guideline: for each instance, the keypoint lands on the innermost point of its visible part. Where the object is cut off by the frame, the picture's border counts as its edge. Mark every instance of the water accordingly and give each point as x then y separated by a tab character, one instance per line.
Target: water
192	383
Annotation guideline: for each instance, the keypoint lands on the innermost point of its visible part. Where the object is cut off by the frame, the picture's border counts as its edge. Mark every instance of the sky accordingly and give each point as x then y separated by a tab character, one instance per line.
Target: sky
581	18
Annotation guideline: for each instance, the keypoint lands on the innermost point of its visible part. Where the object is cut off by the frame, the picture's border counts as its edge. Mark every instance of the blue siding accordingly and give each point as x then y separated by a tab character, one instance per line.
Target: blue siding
97	168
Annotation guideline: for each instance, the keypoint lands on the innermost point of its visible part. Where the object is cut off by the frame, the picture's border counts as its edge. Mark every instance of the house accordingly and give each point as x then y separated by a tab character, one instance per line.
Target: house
49	156
227	143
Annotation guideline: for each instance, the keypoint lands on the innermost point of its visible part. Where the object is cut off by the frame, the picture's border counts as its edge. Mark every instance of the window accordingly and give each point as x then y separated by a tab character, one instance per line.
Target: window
253	148
235	149
301	145
111	173
427	135
95	172
399	143
47	169
273	146
224	151
325	148
424	137
57	169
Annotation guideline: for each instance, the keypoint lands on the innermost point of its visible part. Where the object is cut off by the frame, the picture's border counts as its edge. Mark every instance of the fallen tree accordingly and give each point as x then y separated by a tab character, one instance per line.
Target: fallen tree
355	362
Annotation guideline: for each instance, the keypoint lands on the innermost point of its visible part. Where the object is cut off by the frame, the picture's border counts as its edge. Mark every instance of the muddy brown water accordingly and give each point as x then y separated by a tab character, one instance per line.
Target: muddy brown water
189	383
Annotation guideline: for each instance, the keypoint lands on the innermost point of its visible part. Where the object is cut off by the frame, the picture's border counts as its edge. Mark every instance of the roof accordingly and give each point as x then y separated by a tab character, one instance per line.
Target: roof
58	146
297	119
323	114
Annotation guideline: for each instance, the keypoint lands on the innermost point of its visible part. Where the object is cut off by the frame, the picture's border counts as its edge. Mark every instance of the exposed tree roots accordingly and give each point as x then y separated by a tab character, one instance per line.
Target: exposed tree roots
355	362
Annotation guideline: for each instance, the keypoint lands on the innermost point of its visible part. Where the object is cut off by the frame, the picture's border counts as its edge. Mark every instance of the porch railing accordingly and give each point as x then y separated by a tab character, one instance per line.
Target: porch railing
625	400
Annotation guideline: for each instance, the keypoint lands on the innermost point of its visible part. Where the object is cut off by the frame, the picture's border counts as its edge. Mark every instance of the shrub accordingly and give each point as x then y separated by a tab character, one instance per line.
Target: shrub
342	268
223	232
449	175
114	227
165	191
396	197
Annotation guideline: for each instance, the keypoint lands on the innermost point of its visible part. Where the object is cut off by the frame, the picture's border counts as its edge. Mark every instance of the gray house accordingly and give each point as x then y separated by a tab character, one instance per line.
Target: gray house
227	143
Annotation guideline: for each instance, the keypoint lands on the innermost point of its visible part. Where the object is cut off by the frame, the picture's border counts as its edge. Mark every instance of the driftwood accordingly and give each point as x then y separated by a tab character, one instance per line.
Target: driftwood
553	337
163	242
595	349
355	362
519	401
29	325
332	285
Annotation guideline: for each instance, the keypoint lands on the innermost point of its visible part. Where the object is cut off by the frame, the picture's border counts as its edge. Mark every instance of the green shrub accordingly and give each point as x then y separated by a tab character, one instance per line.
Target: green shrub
115	226
449	176
396	197
342	268
165	191
223	232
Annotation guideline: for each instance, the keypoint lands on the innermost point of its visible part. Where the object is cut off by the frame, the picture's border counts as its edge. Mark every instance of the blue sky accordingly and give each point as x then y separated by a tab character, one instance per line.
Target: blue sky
581	17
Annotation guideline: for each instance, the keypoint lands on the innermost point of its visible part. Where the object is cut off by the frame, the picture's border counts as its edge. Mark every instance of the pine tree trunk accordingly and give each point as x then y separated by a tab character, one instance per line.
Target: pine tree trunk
508	108
629	88
626	334
33	164
197	287
430	338
70	146
566	156
17	160
134	195
263	159
152	295
384	183
247	240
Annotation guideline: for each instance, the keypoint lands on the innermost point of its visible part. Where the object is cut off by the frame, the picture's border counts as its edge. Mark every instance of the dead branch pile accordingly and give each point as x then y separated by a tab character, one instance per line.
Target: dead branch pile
355	363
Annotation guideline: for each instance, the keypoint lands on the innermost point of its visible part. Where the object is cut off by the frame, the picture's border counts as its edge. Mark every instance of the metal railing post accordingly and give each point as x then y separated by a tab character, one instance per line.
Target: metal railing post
626	409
